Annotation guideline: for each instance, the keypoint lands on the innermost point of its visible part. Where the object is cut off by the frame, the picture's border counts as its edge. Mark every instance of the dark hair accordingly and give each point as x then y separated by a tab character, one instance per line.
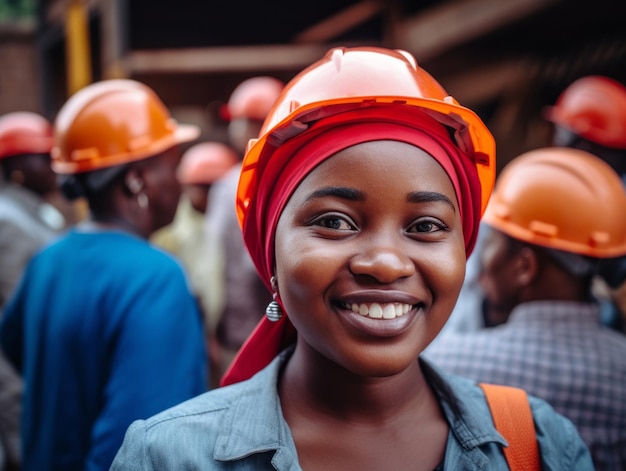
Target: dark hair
616	158
90	184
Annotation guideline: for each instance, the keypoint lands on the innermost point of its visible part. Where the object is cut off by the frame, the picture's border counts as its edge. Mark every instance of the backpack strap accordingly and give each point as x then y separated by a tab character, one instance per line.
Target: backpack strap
513	418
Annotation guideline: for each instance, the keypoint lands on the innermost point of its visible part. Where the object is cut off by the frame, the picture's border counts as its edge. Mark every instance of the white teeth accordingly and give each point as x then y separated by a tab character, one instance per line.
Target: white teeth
378	311
389	311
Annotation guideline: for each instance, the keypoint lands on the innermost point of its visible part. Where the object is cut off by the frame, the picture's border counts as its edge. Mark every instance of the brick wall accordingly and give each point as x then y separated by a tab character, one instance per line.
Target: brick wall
19	77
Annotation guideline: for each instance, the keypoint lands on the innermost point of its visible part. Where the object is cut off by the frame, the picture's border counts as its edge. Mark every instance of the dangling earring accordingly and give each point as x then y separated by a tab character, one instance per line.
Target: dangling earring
142	200
273	310
135	186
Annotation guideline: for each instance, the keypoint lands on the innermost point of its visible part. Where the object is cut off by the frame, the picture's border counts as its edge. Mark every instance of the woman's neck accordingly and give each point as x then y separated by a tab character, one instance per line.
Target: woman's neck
117	222
341	421
323	385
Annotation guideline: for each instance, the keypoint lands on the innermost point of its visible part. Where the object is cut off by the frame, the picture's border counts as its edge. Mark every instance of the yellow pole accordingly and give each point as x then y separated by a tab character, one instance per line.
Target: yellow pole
78	54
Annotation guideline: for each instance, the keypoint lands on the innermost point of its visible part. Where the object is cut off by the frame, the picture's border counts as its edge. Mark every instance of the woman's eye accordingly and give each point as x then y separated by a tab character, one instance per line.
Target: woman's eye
428	225
336	223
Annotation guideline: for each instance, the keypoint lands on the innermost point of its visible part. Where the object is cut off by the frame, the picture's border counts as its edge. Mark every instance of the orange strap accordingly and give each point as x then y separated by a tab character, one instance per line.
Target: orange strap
514	420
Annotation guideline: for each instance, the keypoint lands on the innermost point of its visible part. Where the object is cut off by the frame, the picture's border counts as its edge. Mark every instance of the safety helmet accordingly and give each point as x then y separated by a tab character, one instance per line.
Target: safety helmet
561	198
24	132
113	122
349	78
205	163
253	98
593	107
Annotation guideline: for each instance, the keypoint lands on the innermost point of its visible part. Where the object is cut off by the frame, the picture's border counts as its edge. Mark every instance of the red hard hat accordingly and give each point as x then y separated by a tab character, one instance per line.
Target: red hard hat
24	132
594	107
206	162
348	78
253	98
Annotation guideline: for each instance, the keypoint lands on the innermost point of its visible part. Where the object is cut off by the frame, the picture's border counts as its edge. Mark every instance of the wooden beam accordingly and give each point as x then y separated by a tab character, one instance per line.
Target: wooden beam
114	41
224	59
484	83
56	11
77	47
341	22
435	31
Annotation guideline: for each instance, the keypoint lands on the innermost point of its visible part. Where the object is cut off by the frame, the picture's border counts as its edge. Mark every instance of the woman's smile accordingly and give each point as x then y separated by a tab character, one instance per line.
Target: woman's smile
380	311
383	320
384	313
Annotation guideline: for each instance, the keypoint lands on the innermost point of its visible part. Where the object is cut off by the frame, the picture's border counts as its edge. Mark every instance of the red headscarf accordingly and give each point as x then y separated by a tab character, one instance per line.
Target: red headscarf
281	169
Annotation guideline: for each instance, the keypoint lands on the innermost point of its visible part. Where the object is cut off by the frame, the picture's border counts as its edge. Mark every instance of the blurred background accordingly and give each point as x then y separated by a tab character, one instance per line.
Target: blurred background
506	59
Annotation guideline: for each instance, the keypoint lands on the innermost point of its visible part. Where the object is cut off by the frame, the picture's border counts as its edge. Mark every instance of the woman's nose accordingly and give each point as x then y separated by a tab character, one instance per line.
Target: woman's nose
385	264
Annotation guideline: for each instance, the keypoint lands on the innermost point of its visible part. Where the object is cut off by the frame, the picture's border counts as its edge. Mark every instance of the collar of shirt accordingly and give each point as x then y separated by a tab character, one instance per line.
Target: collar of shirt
556	312
249	428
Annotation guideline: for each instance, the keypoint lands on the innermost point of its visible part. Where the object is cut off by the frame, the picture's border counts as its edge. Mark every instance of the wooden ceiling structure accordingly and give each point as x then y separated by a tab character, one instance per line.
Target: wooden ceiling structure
505	59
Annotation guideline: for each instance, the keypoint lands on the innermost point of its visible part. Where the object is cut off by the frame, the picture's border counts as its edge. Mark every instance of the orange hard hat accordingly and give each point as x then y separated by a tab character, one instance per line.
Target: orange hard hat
113	122
24	132
593	107
349	78
206	162
561	198
253	98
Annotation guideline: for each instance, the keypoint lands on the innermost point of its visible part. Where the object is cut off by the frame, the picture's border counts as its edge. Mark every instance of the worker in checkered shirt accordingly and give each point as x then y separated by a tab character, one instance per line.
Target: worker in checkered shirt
555	214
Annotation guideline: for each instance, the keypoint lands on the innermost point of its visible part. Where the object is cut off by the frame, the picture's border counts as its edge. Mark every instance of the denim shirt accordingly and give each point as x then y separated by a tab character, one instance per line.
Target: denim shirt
242	427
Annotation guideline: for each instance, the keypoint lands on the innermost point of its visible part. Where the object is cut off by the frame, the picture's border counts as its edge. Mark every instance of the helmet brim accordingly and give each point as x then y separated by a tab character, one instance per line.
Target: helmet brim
182	133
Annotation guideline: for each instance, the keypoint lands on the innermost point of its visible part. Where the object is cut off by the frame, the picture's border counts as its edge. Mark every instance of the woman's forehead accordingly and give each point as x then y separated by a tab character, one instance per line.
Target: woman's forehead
388	161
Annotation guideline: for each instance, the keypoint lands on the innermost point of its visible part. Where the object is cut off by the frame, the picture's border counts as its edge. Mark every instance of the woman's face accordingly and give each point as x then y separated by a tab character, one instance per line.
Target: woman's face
370	256
162	187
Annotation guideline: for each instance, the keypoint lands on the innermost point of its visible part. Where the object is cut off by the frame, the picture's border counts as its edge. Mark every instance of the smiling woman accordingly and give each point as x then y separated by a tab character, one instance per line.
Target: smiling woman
359	204
376	252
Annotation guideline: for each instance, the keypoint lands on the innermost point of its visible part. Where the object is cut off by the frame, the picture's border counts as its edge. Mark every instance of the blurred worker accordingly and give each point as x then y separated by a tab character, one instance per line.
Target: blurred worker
192	241
27	223
590	114
103	326
554	213
245	296
470	312
28	220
